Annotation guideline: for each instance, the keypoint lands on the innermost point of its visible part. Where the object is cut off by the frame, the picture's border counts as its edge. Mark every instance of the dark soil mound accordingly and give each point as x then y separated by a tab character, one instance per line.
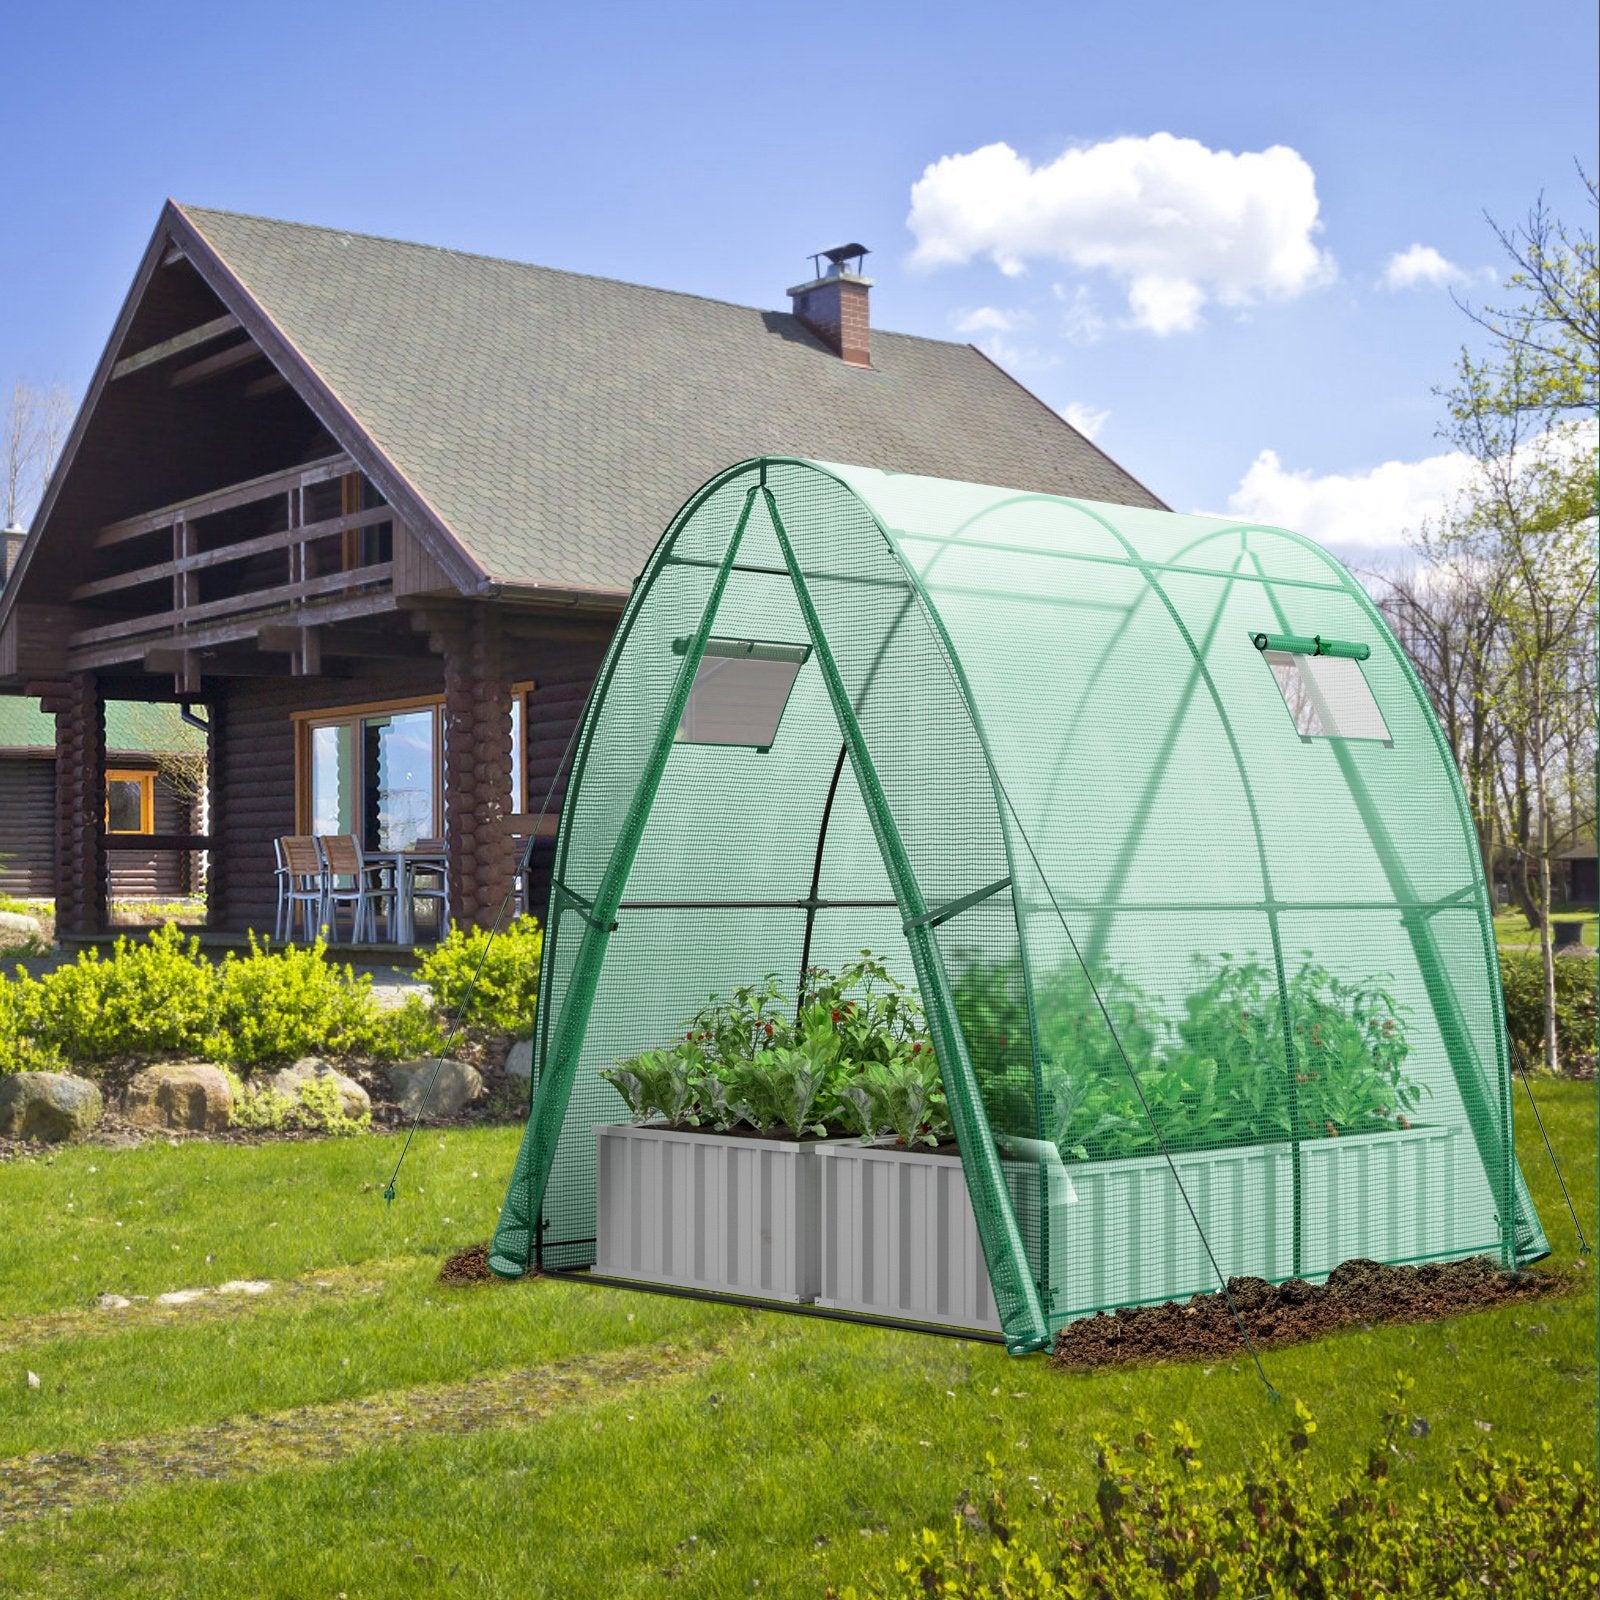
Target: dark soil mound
467	1266
1356	1293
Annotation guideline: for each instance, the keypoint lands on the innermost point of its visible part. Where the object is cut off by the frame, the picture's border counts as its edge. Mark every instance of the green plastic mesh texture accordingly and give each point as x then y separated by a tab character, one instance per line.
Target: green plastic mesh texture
1067	700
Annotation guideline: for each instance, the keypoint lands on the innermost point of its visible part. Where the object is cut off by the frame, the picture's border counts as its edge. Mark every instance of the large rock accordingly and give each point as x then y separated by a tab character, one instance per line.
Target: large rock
48	1105
180	1094
458	1085
353	1099
20	922
519	1059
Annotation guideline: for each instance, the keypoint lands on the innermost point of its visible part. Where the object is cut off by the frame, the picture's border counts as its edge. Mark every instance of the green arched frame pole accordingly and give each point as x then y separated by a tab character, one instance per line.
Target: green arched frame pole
549	1110
1016	1295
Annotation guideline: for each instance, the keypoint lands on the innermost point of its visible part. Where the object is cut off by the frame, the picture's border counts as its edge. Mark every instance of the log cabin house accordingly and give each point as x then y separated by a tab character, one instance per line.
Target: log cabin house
150	789
371	510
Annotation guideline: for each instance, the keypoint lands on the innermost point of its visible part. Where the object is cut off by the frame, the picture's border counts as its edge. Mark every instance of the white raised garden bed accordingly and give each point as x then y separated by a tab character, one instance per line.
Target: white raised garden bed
889	1232
900	1240
731	1214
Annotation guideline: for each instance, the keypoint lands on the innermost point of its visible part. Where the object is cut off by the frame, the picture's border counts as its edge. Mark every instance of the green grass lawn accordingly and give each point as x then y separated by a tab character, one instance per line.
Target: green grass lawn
1511	928
360	1431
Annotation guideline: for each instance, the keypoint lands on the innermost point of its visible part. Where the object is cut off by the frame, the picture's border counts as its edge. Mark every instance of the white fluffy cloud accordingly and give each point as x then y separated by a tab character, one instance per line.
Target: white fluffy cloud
1178	225
1378	512
1374	510
1088	420
987	319
1420	267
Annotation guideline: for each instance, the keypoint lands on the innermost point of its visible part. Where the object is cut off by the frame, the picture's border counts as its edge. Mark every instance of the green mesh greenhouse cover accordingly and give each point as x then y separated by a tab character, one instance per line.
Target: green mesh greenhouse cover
1129	795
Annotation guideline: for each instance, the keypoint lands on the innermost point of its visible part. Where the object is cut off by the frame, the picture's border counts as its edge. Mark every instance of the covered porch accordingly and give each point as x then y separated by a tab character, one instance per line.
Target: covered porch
342	686
223	533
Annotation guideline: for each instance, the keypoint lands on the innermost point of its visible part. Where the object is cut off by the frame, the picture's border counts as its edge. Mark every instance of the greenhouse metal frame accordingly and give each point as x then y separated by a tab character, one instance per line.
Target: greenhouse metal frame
1153	811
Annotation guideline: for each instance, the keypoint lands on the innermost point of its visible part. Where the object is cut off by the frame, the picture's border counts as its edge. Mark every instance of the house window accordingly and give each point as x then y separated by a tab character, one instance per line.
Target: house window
519	745
377	771
374	771
740	690
1328	696
130	802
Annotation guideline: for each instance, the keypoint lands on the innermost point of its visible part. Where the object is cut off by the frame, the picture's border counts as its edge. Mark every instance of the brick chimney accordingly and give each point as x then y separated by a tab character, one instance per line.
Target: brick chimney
14	536
833	305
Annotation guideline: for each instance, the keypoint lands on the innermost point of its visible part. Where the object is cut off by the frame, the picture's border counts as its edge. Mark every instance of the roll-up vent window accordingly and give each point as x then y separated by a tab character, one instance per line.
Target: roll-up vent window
1328	696
740	691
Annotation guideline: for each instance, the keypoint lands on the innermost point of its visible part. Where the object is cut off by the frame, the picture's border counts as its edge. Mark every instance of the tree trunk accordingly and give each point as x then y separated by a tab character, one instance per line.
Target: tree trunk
1547	954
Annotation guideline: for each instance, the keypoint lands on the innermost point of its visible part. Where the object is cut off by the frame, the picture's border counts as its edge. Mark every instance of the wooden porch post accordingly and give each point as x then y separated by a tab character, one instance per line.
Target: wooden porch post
217	863
477	765
81	878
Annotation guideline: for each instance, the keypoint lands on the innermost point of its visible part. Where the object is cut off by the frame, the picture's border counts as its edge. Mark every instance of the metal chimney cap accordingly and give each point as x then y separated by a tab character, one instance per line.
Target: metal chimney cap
837	257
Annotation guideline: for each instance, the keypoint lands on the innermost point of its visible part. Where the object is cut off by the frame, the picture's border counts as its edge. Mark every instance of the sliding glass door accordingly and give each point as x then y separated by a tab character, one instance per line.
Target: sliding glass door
375	772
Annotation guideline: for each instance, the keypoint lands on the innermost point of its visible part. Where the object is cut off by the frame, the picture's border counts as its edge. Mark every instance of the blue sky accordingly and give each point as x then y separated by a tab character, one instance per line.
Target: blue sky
1193	215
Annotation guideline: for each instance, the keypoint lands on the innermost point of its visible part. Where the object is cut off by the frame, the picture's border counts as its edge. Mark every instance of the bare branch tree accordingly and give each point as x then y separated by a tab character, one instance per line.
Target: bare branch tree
32	433
1554	325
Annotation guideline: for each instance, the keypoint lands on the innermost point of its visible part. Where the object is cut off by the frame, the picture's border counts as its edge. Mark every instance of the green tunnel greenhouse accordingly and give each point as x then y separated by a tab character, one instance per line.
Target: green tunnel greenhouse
1152	812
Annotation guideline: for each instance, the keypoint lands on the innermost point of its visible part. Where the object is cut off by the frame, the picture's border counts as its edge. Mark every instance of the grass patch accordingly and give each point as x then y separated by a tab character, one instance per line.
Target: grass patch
86	1220
801	1452
1511	928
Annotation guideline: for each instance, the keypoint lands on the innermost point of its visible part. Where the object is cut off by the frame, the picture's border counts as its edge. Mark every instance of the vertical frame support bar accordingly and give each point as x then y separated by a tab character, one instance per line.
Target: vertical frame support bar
549	1111
1016	1294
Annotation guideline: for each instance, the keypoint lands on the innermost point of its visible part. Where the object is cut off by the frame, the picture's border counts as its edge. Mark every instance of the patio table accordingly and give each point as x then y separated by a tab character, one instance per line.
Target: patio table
404	865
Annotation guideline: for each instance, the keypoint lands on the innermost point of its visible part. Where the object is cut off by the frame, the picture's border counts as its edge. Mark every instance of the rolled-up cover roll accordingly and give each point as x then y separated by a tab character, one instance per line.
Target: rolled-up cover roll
1295	644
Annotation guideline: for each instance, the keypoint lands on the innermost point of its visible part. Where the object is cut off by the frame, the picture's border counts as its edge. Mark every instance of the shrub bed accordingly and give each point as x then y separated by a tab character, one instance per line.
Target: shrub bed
159	995
1522	978
493	988
1164	1522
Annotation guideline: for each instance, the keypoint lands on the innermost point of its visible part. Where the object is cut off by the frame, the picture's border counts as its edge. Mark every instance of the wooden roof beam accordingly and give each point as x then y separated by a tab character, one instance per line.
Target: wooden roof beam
236	355
176	345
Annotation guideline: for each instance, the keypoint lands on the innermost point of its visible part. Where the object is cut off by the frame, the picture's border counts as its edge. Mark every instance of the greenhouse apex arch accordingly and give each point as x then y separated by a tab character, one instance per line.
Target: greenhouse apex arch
1152	809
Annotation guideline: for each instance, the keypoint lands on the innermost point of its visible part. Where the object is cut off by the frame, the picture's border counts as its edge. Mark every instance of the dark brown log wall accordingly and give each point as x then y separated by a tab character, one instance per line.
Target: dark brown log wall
163	873
477	783
553	710
28	863
28	803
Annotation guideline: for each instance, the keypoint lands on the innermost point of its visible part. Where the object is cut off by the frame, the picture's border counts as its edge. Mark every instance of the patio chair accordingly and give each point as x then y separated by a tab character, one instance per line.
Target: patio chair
280	874
432	883
302	884
355	882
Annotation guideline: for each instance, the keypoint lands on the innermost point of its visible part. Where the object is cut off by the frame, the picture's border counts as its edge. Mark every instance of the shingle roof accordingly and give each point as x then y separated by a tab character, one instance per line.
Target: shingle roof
555	422
132	727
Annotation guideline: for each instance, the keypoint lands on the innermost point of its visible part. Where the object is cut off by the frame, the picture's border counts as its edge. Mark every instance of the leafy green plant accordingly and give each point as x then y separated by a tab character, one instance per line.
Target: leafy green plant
778	1089
149	996
19	1050
661	1083
506	974
1163	1523
159	994
902	1096
750	1058
275	1005
1215	1074
317	1106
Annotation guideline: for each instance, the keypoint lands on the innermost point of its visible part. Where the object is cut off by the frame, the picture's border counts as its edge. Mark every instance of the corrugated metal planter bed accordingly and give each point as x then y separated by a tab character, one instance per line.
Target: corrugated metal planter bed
888	1232
723	1212
899	1238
